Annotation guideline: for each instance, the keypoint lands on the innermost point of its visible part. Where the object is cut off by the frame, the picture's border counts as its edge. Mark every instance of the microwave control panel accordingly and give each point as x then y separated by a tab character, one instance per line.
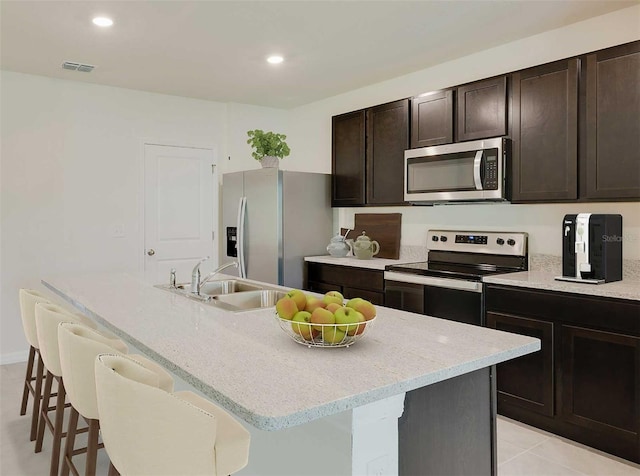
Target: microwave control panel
490	181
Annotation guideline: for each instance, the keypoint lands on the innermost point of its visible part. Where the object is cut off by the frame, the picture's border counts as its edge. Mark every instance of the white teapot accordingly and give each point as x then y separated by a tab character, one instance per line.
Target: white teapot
365	248
338	247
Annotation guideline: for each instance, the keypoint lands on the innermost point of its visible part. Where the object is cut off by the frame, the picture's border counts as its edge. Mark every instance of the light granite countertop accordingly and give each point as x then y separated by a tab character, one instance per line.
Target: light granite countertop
247	364
373	263
628	288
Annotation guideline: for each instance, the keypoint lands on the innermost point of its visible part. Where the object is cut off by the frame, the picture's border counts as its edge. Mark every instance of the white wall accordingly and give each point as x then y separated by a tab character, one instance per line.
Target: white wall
311	133
70	171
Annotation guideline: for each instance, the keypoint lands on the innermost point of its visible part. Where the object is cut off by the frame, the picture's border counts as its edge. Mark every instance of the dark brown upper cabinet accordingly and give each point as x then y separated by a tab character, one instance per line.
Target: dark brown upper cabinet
387	139
611	141
368	155
482	109
545	132
348	164
432	119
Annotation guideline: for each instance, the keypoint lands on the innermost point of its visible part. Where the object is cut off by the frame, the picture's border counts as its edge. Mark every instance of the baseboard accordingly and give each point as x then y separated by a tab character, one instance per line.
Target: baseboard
14	357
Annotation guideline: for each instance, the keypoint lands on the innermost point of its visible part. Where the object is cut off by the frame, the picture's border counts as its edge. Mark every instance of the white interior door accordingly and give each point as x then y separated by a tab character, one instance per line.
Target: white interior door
180	211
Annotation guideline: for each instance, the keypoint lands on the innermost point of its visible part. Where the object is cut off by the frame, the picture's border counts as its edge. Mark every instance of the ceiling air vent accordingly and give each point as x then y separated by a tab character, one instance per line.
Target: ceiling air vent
70	65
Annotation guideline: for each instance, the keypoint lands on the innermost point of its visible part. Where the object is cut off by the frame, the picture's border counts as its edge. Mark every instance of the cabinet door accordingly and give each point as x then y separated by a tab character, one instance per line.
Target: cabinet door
387	139
432	119
348	159
527	381
601	385
372	296
482	109
545	132
322	288
613	123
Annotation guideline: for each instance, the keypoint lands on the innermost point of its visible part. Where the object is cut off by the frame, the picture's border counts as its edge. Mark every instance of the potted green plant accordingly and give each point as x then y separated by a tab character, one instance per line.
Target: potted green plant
268	147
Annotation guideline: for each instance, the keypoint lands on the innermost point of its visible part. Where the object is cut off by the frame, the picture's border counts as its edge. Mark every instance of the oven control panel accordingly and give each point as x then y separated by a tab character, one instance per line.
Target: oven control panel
494	242
472	239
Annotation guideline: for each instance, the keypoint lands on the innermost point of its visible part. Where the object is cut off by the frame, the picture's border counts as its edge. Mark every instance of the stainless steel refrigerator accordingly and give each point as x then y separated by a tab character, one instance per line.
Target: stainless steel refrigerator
272	219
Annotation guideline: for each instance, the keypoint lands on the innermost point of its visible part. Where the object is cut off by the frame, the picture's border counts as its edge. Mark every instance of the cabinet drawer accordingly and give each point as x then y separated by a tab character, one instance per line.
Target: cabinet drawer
347	276
598	312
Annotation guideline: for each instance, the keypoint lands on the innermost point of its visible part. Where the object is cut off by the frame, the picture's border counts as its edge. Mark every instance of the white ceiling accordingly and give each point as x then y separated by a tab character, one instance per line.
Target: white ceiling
216	49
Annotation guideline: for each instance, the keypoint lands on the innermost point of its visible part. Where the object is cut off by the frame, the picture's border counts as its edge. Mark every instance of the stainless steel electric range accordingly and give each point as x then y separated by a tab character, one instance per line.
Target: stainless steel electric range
449	284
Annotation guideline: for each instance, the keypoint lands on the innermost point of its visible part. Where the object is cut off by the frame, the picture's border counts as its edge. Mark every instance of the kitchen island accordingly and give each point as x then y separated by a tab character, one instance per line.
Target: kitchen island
319	410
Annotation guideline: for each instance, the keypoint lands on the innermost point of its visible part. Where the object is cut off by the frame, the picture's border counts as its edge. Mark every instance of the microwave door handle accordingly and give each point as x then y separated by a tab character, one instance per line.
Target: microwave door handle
477	162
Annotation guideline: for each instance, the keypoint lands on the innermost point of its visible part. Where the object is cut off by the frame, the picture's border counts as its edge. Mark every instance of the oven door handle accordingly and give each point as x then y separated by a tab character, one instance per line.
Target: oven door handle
477	162
461	284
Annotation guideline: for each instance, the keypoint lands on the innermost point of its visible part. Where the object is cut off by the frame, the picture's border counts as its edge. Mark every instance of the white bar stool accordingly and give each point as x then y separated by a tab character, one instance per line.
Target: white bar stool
48	317
147	430
79	347
32	383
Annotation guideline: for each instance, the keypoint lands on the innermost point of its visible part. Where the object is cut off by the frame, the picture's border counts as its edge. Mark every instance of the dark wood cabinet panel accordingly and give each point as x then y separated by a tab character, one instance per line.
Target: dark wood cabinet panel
454	420
526	381
612	82
368	155
601	384
348	159
592	347
545	132
482	109
374	297
432	119
350	281
321	287
387	139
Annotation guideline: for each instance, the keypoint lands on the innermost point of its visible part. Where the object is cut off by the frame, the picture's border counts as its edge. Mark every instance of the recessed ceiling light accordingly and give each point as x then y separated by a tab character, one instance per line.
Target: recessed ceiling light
102	21
275	59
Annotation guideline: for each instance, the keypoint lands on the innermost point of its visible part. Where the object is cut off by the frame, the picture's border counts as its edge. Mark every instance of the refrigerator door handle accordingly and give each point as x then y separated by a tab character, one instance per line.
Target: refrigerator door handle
242	208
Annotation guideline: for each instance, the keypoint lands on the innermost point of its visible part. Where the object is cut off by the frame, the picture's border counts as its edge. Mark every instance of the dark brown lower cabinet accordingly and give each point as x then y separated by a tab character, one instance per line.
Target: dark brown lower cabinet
584	384
350	281
601	384
527	381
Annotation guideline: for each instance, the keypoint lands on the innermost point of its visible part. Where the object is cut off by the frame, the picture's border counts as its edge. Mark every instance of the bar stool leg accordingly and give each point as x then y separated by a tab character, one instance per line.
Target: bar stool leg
112	470
69	444
44	408
36	398
57	428
27	380
92	447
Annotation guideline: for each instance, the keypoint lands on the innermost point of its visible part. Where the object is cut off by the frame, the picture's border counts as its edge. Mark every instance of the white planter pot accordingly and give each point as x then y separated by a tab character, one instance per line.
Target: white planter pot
269	162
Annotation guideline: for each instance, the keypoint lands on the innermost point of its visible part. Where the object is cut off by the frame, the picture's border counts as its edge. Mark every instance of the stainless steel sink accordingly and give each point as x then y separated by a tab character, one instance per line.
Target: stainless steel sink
246	300
230	286
231	295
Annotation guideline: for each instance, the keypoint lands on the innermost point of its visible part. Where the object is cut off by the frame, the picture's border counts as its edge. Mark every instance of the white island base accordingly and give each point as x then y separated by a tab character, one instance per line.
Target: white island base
362	441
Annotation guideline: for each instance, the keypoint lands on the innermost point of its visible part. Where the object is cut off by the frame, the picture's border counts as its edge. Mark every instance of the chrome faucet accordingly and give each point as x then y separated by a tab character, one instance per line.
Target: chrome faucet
195	276
197	282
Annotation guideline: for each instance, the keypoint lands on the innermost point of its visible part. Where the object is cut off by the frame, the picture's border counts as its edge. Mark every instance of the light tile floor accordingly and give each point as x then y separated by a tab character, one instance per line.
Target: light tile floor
522	450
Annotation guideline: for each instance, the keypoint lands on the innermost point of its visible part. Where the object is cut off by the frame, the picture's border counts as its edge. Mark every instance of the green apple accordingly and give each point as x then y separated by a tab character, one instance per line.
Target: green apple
333	296
313	303
286	308
322	316
299	297
332	335
363	306
346	316
301	325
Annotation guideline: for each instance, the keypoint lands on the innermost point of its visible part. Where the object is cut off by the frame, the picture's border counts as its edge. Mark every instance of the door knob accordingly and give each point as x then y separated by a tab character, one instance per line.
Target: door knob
151	252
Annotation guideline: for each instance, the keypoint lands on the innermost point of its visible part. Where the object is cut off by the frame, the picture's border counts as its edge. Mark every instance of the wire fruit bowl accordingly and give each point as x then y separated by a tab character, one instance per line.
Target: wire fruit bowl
311	334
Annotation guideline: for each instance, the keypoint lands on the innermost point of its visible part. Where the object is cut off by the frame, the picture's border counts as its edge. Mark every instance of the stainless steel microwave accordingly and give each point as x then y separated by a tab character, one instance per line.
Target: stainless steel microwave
462	172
